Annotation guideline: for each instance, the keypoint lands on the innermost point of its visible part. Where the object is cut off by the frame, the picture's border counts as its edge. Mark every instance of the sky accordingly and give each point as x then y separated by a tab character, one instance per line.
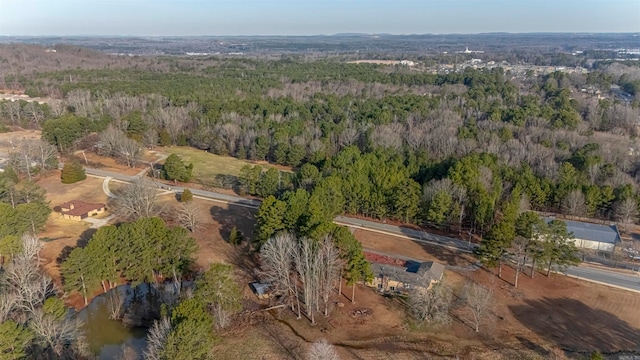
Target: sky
306	17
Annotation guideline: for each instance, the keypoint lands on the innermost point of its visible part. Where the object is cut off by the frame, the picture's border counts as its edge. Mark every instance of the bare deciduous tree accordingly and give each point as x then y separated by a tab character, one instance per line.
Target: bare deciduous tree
189	216
136	200
53	333
626	211
45	155
306	264
322	350
35	113
478	301
574	203
329	270
519	249
430	305
276	257
156	339
115	143
80	101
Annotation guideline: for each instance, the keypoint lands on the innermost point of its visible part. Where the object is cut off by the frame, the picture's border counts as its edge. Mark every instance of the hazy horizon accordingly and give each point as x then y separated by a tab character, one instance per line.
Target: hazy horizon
309	18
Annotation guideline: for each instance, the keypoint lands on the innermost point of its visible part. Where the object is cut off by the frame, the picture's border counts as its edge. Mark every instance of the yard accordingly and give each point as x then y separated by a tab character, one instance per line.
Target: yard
554	311
60	233
208	167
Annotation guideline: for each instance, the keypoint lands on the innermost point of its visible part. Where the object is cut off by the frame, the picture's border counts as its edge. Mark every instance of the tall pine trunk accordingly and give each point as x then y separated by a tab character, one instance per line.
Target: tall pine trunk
84	291
533	267
353	293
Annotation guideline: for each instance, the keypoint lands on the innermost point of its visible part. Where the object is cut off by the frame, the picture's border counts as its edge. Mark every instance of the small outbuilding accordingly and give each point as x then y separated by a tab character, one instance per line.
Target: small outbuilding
78	210
261	290
592	236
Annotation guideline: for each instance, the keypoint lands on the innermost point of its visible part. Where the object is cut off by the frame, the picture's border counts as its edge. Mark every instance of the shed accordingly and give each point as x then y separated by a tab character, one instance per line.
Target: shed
260	289
592	236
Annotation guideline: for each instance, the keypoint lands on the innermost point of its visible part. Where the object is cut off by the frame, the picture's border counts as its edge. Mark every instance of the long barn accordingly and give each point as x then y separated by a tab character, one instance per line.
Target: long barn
592	236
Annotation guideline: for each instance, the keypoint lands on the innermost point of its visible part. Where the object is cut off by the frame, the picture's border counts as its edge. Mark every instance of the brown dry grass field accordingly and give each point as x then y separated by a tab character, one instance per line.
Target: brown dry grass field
19	135
60	232
556	311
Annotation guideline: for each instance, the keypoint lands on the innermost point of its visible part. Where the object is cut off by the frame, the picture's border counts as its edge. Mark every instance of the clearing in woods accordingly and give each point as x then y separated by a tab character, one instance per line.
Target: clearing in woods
208	166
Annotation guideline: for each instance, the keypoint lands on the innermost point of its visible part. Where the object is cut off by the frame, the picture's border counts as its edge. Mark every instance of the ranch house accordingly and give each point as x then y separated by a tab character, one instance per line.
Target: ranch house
78	210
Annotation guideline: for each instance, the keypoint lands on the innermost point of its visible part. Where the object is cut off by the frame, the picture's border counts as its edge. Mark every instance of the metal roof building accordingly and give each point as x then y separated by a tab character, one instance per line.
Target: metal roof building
592	236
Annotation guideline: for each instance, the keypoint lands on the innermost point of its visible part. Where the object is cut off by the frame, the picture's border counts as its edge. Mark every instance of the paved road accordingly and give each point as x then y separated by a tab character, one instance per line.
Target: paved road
616	279
606	277
411	233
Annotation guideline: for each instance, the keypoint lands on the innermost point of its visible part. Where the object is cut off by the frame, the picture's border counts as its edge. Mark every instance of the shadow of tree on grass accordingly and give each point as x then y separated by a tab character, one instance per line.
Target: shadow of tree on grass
575	326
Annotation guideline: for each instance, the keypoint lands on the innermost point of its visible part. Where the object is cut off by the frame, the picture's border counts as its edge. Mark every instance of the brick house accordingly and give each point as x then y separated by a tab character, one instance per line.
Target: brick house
78	210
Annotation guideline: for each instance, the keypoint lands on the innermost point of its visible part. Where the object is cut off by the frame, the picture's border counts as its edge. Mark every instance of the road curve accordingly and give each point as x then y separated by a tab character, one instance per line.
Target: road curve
604	277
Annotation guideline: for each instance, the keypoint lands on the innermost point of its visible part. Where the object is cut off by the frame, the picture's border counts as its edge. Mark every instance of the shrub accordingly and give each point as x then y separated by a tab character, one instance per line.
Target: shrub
72	172
186	195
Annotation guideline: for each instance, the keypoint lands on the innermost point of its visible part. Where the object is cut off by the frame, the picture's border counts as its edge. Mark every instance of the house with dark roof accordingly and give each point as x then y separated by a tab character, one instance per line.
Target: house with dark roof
404	276
592	236
78	210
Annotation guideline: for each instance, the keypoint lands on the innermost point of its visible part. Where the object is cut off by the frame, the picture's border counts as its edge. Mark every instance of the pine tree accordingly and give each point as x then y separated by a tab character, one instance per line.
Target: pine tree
72	172
235	236
175	169
14	340
186	196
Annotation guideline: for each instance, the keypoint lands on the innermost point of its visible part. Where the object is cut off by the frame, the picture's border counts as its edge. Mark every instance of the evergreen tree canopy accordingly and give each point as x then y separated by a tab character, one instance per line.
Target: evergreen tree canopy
72	172
175	169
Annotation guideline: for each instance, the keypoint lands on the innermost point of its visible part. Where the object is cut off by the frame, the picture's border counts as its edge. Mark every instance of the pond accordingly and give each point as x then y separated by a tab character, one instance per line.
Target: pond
106	336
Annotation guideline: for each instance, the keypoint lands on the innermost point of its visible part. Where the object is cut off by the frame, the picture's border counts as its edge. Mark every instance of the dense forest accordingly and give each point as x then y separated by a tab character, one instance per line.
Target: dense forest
384	141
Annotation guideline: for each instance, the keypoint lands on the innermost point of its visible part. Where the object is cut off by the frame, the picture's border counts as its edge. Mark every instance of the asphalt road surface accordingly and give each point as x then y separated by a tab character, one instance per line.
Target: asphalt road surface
605	277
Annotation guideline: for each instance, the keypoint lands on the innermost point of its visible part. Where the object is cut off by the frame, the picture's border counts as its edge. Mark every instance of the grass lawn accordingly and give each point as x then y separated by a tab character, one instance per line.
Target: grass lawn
208	166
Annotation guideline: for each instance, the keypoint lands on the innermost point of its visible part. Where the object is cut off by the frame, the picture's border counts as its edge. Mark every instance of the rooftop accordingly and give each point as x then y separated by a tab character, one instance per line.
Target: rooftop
78	208
406	271
594	232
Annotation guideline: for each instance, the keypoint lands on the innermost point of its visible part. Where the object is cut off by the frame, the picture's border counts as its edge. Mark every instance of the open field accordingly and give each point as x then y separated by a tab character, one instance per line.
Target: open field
208	166
19	135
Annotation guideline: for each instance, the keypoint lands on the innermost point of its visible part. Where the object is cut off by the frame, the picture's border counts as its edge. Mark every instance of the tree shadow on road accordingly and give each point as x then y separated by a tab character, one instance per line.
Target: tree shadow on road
575	326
